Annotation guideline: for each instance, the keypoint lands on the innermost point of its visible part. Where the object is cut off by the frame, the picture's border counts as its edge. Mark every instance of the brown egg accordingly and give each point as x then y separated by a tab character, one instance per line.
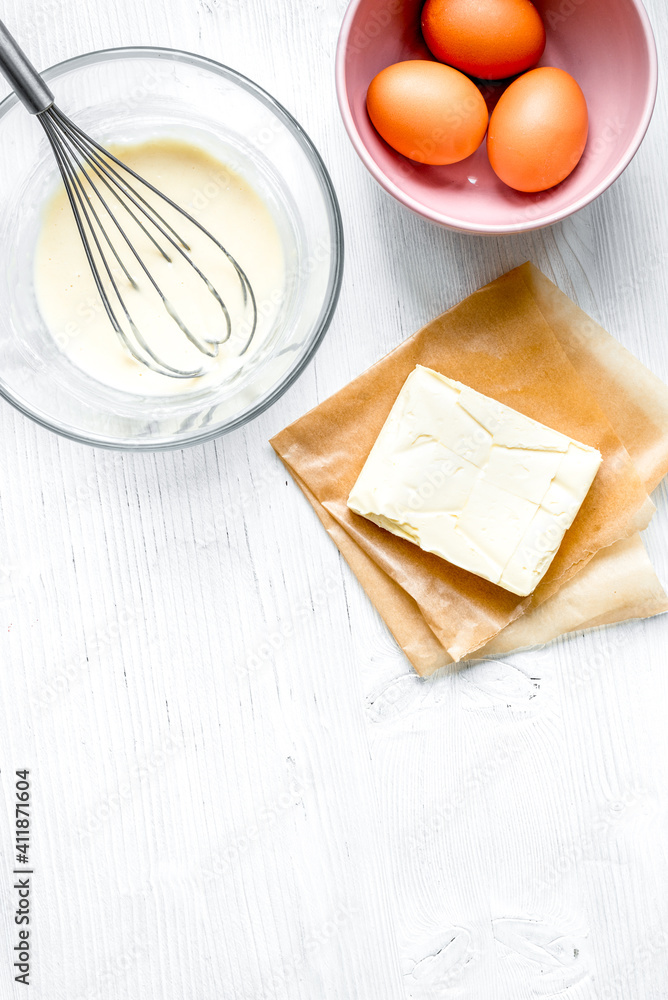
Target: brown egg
491	39
538	130
429	112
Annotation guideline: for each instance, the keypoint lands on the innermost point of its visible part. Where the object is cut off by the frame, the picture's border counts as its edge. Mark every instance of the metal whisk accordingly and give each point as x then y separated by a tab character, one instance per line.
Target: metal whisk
98	183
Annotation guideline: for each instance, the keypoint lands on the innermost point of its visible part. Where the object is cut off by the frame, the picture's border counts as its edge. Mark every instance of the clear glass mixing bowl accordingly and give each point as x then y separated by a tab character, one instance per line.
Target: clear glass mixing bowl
128	95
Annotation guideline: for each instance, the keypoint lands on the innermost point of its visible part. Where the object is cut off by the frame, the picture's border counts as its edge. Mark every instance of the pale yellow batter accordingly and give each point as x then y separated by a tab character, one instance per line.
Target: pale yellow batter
229	208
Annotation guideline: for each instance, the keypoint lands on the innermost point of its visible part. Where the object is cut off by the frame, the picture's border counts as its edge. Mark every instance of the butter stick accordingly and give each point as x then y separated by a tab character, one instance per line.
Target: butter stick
473	481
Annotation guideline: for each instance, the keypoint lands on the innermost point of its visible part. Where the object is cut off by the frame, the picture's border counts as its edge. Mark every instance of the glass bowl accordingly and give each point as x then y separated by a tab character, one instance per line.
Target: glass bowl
128	95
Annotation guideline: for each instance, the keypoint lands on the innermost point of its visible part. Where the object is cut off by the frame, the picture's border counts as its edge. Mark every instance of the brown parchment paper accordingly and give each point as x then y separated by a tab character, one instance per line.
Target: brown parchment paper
618	584
635	401
499	342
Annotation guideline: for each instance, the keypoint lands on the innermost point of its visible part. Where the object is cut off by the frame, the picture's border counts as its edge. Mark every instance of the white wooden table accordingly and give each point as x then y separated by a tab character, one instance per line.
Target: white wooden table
240	790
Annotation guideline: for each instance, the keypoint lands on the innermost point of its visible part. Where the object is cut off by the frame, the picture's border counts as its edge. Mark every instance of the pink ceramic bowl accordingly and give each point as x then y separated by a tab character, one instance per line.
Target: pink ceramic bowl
607	45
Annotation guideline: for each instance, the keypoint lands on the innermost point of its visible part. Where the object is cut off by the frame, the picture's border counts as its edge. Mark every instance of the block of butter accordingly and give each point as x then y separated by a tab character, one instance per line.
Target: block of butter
473	481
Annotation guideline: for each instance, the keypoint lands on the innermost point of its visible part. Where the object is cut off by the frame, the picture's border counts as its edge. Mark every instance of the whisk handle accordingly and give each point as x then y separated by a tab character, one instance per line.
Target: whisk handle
24	79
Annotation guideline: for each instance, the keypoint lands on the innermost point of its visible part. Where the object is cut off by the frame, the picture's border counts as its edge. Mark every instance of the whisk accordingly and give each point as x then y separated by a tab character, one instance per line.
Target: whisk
99	184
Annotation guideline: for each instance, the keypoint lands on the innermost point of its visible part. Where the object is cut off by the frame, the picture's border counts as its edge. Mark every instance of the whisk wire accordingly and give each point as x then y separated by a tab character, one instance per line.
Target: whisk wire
104	172
72	194
87	170
172	312
92	150
81	206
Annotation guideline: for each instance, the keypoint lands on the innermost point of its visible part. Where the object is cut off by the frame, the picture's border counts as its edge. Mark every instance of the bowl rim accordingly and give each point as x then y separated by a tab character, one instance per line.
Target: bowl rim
478	228
330	302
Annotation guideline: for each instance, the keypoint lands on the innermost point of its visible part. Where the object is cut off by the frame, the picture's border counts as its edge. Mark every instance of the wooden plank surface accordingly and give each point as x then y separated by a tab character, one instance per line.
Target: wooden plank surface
240	789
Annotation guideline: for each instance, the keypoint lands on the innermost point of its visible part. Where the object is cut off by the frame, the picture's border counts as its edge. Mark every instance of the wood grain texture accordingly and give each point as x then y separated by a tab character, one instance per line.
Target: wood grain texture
240	788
